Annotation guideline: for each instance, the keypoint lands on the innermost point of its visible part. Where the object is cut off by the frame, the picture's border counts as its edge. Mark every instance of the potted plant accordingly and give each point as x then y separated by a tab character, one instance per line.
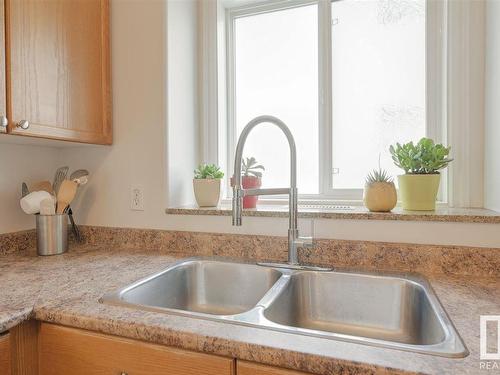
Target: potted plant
380	193
251	178
207	184
419	185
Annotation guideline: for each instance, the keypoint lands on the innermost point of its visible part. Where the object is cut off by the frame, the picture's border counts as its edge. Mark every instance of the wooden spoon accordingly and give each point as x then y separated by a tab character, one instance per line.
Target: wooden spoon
43	186
65	195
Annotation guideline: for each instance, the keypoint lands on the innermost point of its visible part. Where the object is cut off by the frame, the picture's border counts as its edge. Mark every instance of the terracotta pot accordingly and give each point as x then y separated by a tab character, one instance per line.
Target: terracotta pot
380	196
249	182
207	192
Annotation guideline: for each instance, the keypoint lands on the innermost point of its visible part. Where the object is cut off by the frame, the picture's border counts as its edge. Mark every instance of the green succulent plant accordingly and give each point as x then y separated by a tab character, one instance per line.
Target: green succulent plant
250	167
378	175
425	157
208	171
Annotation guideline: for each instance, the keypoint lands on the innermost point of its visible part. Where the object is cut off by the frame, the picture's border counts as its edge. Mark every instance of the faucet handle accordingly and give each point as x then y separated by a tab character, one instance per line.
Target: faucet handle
307	241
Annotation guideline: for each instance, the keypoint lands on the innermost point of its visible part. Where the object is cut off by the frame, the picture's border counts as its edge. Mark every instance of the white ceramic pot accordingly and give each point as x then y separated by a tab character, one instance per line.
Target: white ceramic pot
207	191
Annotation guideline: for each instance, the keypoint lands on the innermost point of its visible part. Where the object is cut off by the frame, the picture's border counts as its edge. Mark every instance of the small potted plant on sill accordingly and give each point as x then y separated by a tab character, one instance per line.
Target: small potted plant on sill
419	185
207	184
380	193
251	178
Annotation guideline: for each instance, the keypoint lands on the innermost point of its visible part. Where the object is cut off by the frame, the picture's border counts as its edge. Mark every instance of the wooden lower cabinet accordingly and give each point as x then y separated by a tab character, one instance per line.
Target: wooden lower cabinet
5	354
249	368
64	351
36	348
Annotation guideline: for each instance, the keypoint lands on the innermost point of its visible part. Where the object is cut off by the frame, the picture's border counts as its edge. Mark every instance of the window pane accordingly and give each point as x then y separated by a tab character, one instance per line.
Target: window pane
378	83
276	73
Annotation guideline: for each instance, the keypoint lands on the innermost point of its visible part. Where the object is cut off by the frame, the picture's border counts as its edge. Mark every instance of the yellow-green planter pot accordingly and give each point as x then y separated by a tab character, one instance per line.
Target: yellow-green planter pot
419	191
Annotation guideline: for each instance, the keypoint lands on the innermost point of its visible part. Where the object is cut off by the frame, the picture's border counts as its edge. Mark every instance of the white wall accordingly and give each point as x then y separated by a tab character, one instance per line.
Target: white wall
465	101
143	148
182	139
137	156
492	127
20	163
145	102
144	70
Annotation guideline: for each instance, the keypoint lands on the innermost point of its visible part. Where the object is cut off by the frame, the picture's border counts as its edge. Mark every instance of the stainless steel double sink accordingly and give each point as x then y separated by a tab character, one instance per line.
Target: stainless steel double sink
397	311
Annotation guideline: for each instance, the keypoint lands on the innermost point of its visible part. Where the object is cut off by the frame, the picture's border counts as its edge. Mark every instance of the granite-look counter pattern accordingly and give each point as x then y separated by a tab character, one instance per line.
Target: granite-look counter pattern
441	214
427	259
65	290
17	241
11	317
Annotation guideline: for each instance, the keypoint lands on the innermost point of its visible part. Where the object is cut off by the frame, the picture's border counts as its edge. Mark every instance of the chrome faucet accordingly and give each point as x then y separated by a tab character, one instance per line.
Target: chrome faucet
294	240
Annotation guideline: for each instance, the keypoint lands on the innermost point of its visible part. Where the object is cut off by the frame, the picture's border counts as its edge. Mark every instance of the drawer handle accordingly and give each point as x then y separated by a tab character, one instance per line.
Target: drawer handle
3	121
23	124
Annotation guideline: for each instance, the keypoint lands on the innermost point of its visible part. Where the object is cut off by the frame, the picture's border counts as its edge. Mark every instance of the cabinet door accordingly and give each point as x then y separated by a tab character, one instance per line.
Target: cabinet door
72	351
58	69
3	104
5	354
249	368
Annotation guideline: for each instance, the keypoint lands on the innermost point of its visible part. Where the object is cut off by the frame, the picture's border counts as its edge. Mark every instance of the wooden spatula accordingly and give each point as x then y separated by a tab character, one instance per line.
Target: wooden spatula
44	186
65	195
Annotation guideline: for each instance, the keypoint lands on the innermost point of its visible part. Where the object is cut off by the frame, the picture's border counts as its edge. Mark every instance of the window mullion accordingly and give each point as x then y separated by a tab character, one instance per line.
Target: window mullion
325	96
230	87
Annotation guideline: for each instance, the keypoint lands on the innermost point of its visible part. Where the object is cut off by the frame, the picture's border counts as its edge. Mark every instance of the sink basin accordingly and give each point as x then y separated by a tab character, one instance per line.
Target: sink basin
376	307
203	286
391	310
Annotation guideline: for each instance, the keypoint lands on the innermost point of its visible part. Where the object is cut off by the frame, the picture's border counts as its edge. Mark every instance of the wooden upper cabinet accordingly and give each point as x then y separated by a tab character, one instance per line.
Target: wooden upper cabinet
3	103
58	77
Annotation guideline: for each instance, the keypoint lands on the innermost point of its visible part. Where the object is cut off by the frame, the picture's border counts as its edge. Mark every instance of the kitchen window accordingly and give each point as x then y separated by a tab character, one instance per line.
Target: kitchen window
349	78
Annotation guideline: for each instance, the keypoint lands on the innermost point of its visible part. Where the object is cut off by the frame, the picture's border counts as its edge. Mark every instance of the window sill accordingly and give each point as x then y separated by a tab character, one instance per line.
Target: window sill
442	214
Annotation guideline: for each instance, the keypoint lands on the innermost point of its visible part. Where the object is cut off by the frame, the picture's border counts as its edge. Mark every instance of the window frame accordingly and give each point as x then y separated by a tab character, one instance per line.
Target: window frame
225	134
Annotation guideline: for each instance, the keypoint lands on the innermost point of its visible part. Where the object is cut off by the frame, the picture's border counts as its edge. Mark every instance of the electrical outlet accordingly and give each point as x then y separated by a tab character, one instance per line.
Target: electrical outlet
137	198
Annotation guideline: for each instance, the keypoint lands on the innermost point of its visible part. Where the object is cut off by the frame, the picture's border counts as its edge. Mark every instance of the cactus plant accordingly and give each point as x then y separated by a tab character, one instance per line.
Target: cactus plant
378	175
380	193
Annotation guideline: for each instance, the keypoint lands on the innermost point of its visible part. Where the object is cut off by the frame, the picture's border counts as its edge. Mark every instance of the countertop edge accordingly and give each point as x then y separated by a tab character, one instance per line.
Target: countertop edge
359	214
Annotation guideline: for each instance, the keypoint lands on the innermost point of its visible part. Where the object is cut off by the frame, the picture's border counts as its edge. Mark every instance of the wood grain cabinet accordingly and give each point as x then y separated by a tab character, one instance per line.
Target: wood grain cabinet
57	69
5	354
72	351
3	100
249	368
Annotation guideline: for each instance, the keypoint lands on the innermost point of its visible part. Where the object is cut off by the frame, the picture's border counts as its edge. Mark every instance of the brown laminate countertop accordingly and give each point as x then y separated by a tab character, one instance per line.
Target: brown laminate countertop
347	212
65	290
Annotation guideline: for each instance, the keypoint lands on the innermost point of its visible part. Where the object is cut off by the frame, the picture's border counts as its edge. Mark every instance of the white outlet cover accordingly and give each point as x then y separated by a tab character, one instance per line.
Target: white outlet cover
137	198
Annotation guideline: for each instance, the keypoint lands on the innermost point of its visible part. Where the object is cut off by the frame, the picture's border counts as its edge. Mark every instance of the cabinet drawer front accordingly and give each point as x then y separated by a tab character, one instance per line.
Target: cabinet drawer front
77	352
249	368
5	354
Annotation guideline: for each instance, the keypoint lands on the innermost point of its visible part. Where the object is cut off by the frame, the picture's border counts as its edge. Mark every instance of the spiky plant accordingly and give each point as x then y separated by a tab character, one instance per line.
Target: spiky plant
378	175
249	167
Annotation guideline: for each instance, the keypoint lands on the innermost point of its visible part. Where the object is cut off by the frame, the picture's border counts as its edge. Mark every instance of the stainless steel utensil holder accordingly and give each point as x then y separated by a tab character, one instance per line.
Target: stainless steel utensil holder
51	234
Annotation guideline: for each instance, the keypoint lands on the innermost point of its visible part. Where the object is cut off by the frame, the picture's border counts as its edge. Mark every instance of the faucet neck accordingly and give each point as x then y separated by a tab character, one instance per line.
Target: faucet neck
242	140
294	240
